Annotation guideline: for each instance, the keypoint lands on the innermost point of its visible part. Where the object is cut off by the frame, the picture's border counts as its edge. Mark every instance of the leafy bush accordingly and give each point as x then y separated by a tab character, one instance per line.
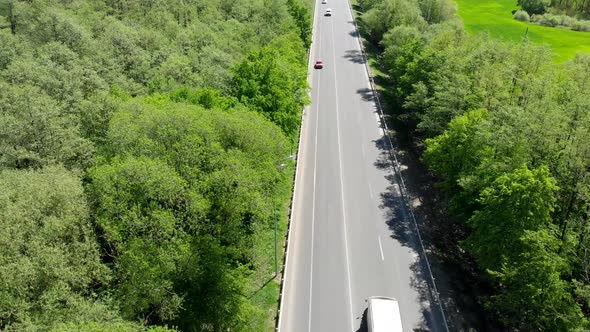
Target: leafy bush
581	26
567	21
553	20
521	15
549	20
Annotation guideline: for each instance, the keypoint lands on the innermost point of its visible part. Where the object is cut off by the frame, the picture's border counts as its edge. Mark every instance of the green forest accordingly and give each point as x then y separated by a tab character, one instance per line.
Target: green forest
141	156
504	131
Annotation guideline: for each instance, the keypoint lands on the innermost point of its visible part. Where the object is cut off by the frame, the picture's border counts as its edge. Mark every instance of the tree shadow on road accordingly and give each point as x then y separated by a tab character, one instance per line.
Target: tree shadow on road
366	94
458	289
399	221
354	56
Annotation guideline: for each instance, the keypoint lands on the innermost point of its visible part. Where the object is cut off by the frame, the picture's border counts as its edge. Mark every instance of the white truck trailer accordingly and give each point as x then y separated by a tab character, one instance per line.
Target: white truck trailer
383	315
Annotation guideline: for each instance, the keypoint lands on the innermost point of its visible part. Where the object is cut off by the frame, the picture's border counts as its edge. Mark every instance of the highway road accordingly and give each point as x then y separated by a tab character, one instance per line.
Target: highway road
351	237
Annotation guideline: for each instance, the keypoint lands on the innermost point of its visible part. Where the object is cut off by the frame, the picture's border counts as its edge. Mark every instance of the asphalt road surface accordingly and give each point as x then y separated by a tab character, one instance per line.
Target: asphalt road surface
351	237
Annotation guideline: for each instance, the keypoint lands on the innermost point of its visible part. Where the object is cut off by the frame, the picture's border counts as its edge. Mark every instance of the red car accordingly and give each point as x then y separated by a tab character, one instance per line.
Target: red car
319	64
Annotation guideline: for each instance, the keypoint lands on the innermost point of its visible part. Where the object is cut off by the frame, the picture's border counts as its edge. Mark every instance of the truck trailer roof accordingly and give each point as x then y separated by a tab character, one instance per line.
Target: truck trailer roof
384	315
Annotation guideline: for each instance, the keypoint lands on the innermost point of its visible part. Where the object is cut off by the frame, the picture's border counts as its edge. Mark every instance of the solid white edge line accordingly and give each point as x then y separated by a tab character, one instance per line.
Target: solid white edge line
380	247
315	163
384	129
286	263
370	190
342	186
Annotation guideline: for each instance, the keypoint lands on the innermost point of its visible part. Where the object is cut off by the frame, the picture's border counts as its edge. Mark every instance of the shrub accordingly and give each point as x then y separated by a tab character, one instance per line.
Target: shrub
581	26
553	20
567	21
549	20
521	15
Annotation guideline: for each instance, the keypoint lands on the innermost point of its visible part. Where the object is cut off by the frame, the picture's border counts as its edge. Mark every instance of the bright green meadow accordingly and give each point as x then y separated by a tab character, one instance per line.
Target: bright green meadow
495	18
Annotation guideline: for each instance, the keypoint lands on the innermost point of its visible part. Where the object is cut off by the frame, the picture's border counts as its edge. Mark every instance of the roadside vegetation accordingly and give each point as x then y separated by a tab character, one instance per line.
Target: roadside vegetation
142	161
495	18
504	131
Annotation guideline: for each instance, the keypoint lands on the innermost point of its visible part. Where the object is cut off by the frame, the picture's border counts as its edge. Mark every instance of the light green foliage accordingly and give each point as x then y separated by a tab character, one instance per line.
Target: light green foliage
436	11
36	131
521	15
112	326
396	39
11	48
137	200
302	17
462	156
179	195
208	98
390	13
49	258
268	80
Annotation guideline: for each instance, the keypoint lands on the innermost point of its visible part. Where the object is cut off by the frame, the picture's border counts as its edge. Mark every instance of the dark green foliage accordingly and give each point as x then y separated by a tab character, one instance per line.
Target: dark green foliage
534	296
573	7
534	6
213	289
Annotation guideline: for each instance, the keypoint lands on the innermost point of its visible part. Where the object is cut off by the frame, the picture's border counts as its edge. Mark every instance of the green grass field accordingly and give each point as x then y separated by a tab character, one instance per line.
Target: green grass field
495	17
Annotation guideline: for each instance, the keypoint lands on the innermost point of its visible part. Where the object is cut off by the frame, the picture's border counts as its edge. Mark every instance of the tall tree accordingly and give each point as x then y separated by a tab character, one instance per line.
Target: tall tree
514	203
533	296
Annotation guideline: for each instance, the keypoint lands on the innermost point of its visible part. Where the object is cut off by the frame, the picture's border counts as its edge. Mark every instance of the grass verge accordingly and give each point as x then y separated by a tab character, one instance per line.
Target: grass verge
264	288
495	17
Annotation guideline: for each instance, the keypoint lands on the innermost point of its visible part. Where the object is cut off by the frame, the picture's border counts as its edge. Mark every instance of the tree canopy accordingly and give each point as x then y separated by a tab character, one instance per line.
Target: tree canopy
139	156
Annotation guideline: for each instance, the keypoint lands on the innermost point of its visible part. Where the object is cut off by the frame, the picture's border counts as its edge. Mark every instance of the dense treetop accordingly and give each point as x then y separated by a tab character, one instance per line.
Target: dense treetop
139	156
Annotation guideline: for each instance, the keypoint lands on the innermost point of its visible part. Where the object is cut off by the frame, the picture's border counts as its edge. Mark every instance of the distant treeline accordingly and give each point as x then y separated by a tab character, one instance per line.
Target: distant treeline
139	145
574	8
506	132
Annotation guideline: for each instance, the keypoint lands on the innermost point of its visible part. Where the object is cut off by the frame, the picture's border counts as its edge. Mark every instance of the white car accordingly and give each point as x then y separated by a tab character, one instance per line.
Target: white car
324	2
328	12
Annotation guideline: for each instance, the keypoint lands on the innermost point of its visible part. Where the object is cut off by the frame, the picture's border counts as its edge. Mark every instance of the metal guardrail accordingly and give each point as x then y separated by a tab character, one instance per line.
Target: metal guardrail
396	168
